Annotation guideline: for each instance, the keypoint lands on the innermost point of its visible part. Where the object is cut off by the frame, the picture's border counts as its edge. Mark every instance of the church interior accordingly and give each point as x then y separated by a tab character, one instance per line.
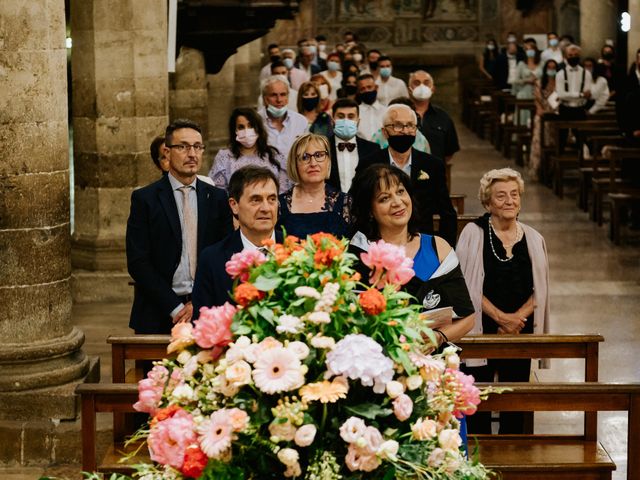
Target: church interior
86	85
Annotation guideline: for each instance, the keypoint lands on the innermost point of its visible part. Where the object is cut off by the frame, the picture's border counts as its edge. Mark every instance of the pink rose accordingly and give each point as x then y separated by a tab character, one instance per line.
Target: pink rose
402	407
150	390
213	328
169	439
388	264
360	459
240	263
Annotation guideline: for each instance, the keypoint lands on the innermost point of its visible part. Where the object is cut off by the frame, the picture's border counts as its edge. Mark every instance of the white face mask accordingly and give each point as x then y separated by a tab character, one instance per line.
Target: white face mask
422	92
324	91
247	137
357	57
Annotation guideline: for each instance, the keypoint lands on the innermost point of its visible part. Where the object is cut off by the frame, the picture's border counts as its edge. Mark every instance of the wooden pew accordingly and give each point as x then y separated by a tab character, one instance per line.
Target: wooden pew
528	457
512	126
622	192
539	346
594	170
462	221
515	456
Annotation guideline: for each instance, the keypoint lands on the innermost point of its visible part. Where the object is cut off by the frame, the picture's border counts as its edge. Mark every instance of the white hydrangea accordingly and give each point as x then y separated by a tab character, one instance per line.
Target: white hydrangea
361	358
289	324
328	297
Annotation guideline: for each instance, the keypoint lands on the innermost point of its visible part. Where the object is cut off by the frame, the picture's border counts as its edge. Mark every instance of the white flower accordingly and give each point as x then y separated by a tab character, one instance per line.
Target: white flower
238	348
183	357
277	370
300	349
225	387
328	297
319	317
305	435
436	458
394	389
288	456
216	434
424	429
352	429
388	450
309	292
191	367
284	432
239	373
322	342
289	324
423	175
293	470
452	360
183	393
414	382
360	357
449	439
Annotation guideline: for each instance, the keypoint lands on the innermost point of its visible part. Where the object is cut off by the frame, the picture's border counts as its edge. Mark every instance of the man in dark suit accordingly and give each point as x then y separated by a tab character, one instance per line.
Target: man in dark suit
253	198
346	148
426	171
171	220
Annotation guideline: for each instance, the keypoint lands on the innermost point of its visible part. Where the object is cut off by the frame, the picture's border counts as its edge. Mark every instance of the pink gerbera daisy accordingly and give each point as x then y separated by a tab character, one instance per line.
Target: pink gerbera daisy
216	434
277	370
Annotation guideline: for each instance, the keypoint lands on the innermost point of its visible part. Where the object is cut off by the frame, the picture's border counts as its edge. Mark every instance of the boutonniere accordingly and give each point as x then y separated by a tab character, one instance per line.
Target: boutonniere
423	175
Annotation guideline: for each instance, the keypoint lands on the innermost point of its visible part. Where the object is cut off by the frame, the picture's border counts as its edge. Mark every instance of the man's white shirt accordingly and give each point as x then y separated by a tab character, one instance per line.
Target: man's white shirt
347	163
370	119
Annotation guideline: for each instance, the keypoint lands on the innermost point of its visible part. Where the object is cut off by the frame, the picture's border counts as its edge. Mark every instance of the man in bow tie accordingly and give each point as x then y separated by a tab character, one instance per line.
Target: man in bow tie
347	150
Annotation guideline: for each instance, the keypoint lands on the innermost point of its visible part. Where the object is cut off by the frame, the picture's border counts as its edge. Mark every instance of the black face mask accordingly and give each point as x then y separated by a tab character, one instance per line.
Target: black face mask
573	61
401	143
274	58
608	56
310	103
350	89
373	66
368	97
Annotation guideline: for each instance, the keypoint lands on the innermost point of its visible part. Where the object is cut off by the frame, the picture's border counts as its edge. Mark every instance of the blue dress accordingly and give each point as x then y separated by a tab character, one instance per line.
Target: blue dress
334	217
425	263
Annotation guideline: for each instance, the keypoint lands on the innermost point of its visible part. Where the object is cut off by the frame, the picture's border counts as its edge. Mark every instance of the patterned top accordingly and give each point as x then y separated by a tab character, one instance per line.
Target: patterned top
225	164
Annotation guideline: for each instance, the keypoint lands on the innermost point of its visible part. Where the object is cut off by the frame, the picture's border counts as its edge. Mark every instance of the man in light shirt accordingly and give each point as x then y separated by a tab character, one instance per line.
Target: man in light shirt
283	124
371	110
389	87
553	51
296	76
346	148
273	52
253	198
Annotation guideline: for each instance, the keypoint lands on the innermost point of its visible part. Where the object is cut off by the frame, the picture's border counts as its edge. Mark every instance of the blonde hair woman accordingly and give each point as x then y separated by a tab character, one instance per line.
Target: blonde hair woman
313	205
505	265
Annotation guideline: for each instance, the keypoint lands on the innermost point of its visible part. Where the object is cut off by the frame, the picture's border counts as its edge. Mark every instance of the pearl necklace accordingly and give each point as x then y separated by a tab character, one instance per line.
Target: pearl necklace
519	234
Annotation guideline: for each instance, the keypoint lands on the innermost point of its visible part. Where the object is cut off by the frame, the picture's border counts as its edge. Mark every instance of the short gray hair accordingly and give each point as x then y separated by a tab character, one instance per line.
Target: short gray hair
573	46
498	175
412	74
271	80
394	108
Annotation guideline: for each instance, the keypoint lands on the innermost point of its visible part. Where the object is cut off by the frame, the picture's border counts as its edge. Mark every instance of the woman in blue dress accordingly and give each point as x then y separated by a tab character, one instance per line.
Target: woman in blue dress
313	205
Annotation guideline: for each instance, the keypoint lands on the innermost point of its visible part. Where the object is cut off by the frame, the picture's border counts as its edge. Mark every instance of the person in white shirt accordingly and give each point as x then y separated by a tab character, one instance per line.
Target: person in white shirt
333	74
371	110
273	51
389	87
599	88
296	76
573	86
553	51
283	125
279	68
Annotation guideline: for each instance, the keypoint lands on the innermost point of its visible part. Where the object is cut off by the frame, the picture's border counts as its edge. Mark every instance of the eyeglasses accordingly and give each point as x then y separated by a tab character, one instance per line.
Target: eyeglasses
319	156
185	147
399	127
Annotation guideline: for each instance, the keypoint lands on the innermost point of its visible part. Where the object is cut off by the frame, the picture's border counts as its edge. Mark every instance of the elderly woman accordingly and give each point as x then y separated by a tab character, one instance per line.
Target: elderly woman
505	265
313	205
248	145
383	208
309	106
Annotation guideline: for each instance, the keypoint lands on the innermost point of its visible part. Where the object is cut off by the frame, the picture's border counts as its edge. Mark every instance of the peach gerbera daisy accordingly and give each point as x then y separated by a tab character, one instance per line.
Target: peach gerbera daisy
216	434
277	369
325	391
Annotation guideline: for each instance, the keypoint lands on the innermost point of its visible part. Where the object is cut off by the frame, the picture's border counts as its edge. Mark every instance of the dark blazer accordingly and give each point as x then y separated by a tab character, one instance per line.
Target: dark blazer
501	74
431	194
154	246
365	149
213	285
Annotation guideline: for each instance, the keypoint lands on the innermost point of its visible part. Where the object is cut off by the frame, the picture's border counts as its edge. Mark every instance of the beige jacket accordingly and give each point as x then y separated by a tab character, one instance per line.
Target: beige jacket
469	250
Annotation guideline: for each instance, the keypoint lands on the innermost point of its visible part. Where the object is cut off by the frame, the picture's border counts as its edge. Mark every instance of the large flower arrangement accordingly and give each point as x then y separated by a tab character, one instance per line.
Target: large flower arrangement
308	378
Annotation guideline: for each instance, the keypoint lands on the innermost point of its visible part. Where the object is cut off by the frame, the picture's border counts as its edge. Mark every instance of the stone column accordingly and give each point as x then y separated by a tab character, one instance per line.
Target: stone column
598	22
41	359
221	101
243	77
633	37
120	98
255	65
188	91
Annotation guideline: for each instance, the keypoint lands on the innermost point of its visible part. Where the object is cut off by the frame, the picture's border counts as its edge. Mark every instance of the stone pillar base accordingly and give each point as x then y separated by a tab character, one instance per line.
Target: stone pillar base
87	286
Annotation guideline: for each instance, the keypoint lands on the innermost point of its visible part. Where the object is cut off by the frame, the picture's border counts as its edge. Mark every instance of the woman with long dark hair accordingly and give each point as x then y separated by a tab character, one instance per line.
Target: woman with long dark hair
248	145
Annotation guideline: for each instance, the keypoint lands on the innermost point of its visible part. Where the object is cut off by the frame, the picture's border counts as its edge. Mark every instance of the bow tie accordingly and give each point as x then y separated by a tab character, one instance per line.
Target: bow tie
349	146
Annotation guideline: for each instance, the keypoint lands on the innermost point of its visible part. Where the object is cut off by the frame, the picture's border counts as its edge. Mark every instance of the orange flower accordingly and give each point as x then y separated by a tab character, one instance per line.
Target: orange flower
325	391
268	242
318	237
246	293
165	413
281	253
326	257
372	301
292	243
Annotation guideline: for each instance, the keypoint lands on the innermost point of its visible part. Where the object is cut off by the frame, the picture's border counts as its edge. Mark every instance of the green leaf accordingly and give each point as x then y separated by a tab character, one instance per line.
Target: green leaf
242	330
268	315
369	410
266	284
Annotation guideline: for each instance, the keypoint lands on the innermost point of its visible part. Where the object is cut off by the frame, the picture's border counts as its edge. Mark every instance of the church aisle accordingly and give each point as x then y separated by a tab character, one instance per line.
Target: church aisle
594	285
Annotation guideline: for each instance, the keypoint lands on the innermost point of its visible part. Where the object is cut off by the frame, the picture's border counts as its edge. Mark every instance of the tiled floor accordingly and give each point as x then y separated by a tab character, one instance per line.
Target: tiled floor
595	288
